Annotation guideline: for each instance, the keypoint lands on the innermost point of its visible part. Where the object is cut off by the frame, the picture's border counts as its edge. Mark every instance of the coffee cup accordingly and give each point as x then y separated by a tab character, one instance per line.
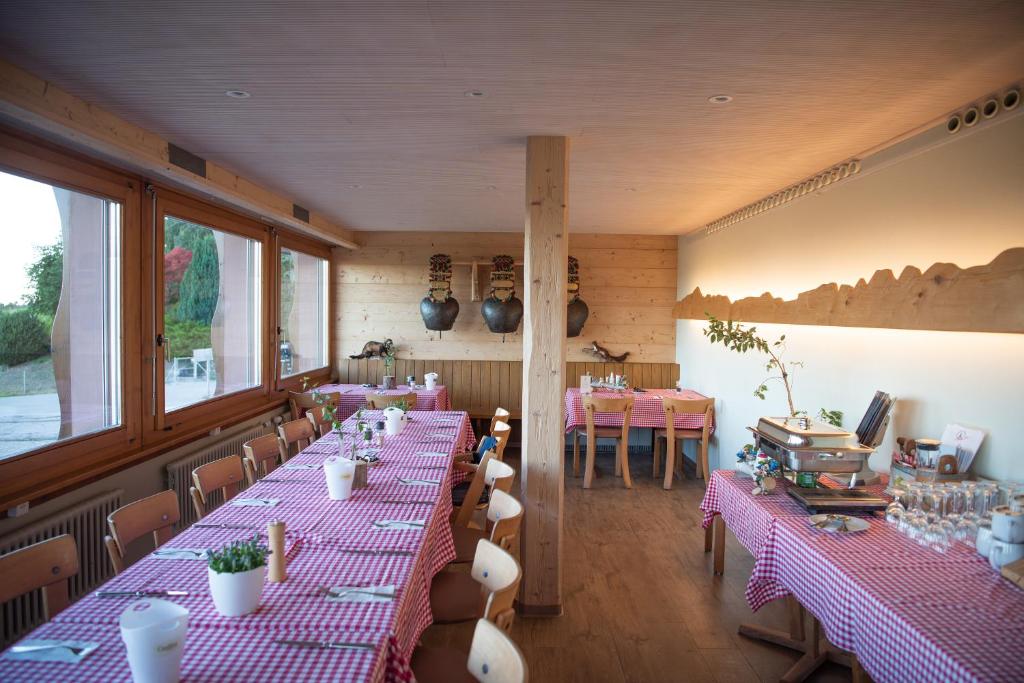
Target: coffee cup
1002	553
1017	503
1007	525
983	542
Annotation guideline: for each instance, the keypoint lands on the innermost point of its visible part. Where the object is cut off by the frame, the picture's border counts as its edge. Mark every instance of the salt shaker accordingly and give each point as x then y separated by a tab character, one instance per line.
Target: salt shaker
275	530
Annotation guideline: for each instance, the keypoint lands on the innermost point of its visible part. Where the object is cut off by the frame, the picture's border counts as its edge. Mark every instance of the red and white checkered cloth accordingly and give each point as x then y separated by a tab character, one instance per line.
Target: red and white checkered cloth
353	396
648	410
907	612
321	538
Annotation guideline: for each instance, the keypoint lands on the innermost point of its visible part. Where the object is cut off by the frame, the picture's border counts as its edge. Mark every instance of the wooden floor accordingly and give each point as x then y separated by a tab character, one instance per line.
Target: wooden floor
641	602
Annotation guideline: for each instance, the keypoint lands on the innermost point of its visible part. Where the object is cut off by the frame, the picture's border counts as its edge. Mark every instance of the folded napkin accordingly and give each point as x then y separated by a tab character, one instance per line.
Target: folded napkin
432	454
179	554
35	650
361	593
255	502
400	523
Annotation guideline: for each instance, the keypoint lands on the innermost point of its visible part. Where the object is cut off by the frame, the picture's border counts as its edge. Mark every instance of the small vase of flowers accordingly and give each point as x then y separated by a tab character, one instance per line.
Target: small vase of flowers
236	574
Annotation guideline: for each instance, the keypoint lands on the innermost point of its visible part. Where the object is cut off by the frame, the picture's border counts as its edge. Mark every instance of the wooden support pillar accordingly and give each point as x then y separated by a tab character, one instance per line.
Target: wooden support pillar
544	329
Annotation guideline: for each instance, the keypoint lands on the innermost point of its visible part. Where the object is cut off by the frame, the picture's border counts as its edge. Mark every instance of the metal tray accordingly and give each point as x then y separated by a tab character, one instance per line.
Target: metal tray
838	500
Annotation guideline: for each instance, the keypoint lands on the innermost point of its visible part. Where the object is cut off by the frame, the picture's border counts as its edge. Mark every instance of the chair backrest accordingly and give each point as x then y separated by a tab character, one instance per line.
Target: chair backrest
504	516
225	474
498	475
377	401
494	658
321	425
300	402
688	406
498	573
261	455
47	565
500	415
154	514
476	488
501	431
592	405
298	432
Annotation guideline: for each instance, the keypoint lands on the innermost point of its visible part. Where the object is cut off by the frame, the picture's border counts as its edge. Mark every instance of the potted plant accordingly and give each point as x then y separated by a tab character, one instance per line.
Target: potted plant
236	574
389	365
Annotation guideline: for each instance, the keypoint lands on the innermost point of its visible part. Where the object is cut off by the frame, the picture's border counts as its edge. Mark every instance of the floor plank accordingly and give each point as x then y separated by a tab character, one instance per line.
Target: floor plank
640	600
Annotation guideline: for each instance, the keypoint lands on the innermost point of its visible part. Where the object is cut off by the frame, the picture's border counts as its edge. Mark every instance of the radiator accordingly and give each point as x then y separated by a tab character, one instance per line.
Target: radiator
87	522
179	472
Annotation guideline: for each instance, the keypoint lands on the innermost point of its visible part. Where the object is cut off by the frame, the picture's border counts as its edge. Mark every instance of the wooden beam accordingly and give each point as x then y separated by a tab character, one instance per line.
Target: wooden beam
43	109
545	273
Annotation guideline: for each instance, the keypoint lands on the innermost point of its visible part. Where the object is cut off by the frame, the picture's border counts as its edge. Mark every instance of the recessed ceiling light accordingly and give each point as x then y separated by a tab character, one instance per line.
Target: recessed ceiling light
474	93
355	186
630	189
720	99
492	187
238	94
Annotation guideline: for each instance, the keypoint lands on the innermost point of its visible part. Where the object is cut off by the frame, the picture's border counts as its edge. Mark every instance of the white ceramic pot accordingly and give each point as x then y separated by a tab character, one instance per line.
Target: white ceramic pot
1007	524
238	593
154	632
340	475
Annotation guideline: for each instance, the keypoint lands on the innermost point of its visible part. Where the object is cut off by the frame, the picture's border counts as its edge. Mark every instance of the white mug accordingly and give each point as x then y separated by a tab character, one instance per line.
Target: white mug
1007	525
1017	503
1002	553
983	543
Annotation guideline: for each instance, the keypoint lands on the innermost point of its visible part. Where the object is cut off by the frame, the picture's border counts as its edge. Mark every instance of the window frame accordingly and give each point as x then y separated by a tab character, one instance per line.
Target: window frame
220	409
284	239
52	466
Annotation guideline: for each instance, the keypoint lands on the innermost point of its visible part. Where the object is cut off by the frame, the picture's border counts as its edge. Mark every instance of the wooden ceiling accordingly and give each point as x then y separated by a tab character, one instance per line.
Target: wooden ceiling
358	109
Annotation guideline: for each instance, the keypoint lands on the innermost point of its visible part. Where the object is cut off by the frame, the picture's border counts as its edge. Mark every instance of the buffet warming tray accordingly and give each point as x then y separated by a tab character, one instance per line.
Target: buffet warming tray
805	445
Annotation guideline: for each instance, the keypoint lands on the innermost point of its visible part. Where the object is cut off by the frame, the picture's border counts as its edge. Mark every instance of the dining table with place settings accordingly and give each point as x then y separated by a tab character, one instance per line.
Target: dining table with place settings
353	396
357	593
906	611
648	409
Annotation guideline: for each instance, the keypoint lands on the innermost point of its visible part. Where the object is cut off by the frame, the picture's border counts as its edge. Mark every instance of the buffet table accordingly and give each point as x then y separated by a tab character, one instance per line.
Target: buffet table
907	612
328	543
353	396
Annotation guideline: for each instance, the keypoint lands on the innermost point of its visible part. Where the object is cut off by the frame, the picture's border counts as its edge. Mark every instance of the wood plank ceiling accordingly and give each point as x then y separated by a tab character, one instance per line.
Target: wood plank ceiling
358	109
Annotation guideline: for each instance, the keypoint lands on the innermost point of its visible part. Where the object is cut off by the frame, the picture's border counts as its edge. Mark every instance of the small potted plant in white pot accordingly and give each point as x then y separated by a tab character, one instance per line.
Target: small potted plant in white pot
236	574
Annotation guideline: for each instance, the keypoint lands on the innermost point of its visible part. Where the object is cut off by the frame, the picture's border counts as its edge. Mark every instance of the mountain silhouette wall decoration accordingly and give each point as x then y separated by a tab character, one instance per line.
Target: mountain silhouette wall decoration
987	298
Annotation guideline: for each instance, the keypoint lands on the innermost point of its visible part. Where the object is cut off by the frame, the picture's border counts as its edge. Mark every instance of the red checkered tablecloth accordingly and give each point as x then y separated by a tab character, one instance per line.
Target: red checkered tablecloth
323	542
647	410
907	612
353	396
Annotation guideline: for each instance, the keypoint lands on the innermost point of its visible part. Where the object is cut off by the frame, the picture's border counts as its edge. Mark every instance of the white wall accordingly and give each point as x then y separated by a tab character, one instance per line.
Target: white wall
962	202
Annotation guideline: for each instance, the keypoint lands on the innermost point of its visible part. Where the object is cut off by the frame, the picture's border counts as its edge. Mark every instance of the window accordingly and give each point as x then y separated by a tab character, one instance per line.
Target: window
60	314
303	334
211	311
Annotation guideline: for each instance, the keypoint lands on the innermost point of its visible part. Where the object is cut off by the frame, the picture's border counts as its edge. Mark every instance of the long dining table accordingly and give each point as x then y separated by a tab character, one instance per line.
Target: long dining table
329	544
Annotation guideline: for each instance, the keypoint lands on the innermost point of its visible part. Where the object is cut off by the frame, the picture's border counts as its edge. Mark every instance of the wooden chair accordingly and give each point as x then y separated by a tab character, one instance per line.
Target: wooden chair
47	565
492	474
298	432
487	592
493	658
299	402
321	425
500	415
680	406
599	404
501	431
504	517
261	456
225	474
155	514
376	401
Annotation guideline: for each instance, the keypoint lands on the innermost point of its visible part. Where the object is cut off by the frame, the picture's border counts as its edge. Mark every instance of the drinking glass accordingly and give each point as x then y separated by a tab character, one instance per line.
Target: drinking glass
914	523
895	511
988	498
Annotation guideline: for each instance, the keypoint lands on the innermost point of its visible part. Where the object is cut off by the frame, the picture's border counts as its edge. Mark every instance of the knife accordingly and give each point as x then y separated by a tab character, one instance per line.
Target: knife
223	526
369	551
18	649
142	594
326	645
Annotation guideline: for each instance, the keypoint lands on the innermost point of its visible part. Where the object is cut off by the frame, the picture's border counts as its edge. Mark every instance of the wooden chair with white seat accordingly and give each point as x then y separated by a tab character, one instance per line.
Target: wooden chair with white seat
487	592
673	408
500	415
261	456
504	517
47	565
376	401
489	476
225	474
155	514
592	405
501	431
493	658
298	433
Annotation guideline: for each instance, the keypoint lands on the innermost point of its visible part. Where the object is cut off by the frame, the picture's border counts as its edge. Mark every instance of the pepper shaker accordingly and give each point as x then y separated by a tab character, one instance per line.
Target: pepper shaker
275	531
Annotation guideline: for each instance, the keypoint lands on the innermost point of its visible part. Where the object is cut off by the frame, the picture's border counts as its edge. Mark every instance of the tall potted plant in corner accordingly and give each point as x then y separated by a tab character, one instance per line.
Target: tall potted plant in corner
236	574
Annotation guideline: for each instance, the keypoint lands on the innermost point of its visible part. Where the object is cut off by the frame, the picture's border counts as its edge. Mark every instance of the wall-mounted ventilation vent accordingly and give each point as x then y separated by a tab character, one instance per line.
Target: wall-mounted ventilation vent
989	109
301	213
186	160
813	184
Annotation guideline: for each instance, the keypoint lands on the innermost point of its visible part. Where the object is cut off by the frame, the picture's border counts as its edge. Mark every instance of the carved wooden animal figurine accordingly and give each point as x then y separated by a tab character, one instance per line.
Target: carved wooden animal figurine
602	353
375	349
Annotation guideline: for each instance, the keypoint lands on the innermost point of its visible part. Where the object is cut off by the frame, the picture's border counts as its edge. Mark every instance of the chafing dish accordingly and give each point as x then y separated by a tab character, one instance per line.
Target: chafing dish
802	444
